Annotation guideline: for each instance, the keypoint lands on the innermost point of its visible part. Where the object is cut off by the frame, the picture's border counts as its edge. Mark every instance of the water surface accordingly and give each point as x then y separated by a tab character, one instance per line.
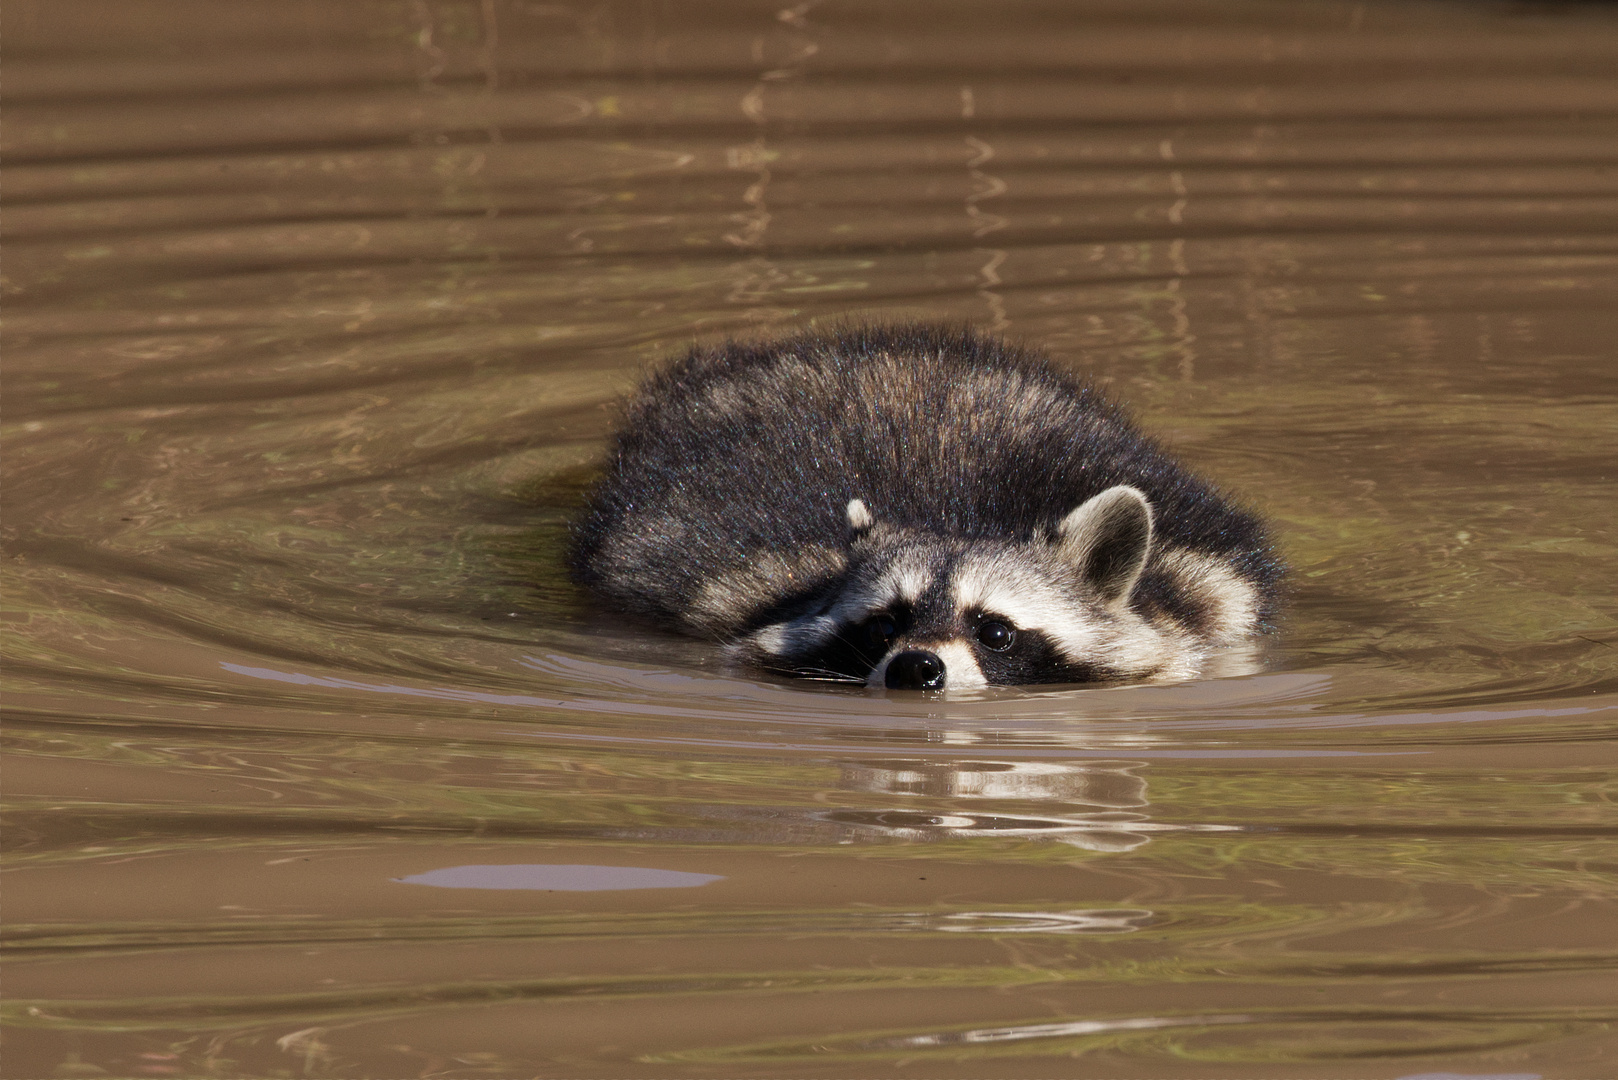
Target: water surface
315	316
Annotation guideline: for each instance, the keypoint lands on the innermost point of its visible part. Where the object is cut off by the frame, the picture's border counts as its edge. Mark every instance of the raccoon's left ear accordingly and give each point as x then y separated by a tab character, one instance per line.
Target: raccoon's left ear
860	518
1108	539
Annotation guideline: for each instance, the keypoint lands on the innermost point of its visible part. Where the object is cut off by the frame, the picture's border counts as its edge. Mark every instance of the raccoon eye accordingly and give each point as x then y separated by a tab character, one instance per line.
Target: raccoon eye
879	630
996	635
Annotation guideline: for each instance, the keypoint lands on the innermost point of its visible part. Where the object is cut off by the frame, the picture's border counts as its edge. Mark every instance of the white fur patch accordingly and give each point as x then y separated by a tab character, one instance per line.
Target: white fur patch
961	671
1137	648
905	579
770	639
879	674
1231	600
1022	593
793	638
908	579
860	517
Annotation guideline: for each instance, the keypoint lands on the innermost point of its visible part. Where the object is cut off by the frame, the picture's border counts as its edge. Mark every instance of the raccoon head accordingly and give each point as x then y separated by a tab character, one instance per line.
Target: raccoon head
914	610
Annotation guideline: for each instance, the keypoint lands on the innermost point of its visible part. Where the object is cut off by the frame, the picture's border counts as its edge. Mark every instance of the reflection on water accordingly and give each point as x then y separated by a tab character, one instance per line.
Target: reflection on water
562	878
1113	787
1056	1031
1078	921
1097	832
1199	1036
314	318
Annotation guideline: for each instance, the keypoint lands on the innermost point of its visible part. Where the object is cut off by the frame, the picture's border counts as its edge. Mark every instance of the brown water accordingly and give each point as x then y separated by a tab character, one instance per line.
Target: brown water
315	313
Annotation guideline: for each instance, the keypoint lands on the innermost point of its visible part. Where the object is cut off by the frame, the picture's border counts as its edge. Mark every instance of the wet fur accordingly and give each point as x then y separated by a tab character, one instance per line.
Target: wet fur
772	495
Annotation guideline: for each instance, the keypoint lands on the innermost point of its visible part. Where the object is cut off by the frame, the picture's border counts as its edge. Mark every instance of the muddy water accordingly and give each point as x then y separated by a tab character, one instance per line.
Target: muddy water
318	766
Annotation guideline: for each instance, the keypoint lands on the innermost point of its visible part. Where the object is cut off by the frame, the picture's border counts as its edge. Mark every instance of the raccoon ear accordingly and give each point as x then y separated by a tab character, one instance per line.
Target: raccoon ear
860	518
1108	539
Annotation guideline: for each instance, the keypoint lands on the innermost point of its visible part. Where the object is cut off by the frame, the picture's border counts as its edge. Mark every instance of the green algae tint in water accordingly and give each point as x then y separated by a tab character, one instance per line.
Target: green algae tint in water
315	313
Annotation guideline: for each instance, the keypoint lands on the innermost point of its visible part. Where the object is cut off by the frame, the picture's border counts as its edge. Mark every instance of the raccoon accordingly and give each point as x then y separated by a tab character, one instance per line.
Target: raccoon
916	507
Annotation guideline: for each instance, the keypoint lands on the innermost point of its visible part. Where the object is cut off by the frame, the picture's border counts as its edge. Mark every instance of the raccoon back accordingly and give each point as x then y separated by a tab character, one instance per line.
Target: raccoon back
745	452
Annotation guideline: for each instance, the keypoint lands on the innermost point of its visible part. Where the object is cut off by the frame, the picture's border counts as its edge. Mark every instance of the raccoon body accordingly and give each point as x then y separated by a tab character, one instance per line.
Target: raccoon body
916	507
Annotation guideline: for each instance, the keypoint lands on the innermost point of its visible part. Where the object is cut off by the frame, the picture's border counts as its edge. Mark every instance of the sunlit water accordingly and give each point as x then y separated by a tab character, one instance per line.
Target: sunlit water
319	766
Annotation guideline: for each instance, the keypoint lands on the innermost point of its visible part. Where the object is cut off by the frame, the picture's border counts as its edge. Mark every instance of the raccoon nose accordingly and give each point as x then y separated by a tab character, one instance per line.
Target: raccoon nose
915	670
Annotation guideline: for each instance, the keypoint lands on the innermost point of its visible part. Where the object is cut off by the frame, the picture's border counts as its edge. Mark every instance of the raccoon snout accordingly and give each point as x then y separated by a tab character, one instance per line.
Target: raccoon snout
915	670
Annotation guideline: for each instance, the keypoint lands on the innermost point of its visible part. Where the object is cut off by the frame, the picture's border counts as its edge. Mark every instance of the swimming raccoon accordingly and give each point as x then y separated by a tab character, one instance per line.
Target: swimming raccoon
916	507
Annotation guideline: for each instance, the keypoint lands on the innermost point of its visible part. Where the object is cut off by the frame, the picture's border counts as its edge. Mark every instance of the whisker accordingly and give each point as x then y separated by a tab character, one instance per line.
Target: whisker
826	675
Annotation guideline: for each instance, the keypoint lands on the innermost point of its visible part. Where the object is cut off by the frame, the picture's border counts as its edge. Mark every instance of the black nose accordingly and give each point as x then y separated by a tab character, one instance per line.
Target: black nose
915	671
